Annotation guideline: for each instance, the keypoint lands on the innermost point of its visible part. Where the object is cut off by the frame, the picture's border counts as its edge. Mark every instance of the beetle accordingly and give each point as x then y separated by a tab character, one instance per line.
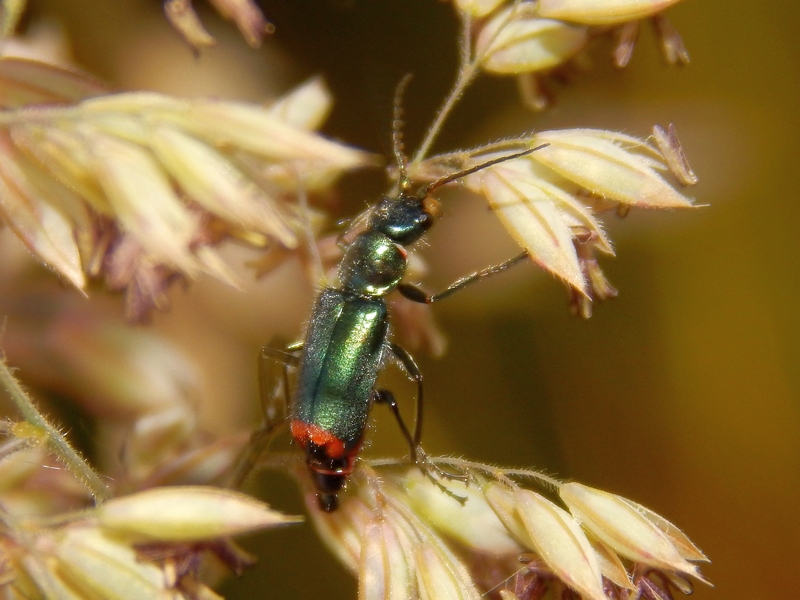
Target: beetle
346	341
347	337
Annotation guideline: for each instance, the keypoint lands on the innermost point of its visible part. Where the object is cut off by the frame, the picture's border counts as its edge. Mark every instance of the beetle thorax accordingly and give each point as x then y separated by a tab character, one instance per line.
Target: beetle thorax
373	265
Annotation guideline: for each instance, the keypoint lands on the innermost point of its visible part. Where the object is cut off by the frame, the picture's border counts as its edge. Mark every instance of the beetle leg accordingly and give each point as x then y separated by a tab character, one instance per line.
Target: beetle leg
417	294
421	460
412	371
271	385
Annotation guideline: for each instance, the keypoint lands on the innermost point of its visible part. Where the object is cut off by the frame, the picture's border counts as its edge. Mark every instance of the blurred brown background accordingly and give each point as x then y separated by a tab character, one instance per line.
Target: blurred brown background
683	394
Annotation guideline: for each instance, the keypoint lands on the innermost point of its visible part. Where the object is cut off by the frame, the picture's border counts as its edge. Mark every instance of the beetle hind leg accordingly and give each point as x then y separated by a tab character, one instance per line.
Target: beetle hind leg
428	467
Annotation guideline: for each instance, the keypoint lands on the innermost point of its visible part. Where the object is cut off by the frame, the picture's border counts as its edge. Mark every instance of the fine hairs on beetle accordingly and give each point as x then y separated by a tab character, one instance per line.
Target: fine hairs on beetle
347	338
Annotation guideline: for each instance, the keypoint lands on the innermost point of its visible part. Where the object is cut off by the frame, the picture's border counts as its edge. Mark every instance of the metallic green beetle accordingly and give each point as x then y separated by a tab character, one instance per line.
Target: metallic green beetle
345	345
347	337
346	342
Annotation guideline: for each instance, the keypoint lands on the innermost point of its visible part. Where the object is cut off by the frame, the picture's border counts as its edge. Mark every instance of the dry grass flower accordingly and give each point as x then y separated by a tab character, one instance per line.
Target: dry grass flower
406	539
137	188
610	12
549	200
519	41
245	13
145	545
535	39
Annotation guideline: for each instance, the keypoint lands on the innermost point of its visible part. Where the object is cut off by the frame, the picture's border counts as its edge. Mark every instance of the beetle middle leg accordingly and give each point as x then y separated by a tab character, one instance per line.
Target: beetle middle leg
273	383
274	395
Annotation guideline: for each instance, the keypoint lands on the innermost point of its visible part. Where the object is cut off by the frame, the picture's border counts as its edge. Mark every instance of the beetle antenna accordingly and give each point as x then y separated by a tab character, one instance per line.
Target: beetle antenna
474	169
397	132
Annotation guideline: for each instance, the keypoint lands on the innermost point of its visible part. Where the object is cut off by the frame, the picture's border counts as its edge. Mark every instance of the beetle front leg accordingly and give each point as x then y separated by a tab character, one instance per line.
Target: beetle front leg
417	294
